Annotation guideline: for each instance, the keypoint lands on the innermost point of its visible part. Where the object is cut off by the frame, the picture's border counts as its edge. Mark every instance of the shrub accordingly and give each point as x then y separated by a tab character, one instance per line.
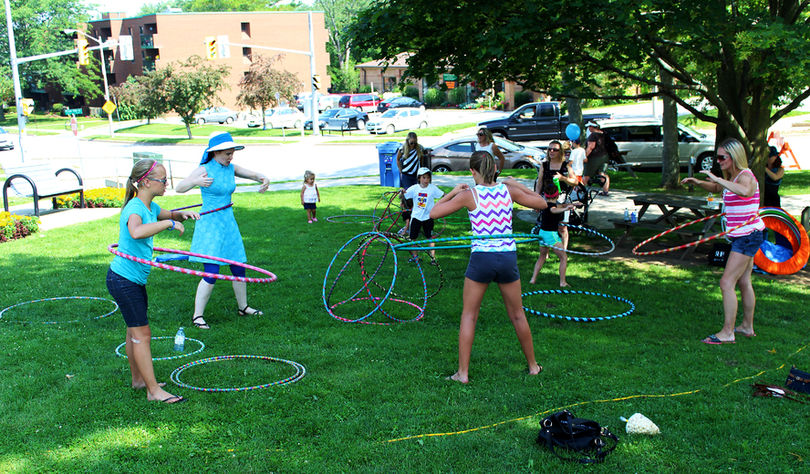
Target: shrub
104	197
523	97
13	226
435	97
411	91
457	96
364	89
58	108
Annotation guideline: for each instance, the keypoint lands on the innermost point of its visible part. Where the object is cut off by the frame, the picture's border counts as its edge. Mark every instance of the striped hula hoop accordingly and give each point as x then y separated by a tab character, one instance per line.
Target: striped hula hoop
62	298
205	212
420	244
219	276
300	371
690	244
578	318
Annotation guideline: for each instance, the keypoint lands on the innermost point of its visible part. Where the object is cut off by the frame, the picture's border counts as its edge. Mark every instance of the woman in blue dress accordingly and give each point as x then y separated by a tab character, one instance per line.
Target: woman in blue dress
216	234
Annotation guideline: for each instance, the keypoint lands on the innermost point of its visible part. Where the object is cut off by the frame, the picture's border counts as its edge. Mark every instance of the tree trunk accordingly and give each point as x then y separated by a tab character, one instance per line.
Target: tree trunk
670	161
188	130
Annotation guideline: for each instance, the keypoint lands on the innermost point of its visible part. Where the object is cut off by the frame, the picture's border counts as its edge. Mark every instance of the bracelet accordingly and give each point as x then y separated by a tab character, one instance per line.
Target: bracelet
172	227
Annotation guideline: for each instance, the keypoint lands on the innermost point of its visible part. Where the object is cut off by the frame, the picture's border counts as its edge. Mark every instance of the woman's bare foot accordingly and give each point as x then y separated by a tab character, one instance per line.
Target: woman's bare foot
161	395
536	369
563	284
457	378
747	332
531	281
142	385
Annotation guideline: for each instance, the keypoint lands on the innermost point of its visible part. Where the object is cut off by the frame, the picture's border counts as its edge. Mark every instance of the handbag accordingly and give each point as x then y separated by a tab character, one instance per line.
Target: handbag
576	439
798	380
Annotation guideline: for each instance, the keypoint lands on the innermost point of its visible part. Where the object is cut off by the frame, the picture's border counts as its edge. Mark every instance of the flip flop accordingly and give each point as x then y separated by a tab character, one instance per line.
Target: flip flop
713	339
173	397
746	334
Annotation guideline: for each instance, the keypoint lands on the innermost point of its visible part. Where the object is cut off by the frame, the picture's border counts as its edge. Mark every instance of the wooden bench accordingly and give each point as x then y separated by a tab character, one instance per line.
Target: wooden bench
40	181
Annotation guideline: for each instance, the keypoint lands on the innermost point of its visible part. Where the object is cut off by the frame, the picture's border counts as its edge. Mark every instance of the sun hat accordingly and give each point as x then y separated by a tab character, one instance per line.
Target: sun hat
219	141
592	124
422	171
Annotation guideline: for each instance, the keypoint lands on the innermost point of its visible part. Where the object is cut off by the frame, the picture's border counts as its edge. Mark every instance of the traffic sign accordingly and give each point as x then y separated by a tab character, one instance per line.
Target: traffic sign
108	107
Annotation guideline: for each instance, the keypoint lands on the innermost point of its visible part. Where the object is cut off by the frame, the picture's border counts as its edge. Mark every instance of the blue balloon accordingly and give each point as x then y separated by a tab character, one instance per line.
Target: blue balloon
572	131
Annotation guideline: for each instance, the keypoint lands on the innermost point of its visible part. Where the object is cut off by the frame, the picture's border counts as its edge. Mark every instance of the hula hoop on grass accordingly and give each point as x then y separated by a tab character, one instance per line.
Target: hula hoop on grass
579	252
578	318
187	271
419	244
179	356
690	244
203	213
374	298
300	371
57	298
400	239
782	223
353	219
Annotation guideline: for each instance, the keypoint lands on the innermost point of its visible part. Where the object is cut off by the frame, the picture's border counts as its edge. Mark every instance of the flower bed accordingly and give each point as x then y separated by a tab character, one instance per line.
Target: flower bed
13	226
103	197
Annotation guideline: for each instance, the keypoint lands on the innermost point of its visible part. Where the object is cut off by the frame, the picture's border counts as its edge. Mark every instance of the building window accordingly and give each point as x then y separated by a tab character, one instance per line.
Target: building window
246	52
140	29
130	31
246	28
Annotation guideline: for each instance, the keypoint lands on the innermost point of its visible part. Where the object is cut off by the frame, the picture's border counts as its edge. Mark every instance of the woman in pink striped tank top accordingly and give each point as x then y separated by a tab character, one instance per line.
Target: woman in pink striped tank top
490	209
741	201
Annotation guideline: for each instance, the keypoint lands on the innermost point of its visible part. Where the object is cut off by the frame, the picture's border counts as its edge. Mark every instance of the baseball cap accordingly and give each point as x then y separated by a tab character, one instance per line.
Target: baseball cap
422	171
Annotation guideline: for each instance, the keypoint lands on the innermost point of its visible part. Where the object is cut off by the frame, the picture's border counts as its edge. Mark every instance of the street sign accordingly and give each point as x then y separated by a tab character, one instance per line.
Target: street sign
450	84
223	47
125	51
76	111
74	126
108	107
449	77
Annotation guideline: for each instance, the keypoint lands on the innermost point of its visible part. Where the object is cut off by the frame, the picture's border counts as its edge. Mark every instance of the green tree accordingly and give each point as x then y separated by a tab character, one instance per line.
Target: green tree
191	86
344	80
160	6
233	5
37	28
145	95
339	16
747	58
258	88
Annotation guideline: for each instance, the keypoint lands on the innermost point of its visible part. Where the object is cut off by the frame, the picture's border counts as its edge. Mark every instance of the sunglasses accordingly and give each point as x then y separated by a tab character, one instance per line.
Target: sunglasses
481	134
723	157
164	180
553	149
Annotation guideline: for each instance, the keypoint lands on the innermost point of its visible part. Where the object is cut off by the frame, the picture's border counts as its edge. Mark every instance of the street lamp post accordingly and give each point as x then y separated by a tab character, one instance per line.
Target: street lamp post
103	68
16	78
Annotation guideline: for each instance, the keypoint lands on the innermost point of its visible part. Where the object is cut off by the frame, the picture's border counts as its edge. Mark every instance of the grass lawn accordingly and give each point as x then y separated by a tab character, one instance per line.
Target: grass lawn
48	124
67	405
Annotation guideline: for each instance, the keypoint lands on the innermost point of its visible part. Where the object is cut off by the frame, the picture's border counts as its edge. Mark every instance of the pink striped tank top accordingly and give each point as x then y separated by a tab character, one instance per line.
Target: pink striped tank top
740	209
492	216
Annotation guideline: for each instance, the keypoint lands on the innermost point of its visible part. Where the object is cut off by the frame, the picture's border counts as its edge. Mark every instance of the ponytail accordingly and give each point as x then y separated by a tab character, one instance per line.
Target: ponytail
140	170
483	162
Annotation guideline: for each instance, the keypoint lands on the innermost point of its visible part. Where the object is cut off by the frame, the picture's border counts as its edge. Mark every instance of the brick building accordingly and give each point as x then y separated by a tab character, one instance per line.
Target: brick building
162	38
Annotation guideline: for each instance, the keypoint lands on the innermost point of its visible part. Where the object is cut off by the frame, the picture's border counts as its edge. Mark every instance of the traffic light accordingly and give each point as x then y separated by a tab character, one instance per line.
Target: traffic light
27	106
211	47
84	54
316	82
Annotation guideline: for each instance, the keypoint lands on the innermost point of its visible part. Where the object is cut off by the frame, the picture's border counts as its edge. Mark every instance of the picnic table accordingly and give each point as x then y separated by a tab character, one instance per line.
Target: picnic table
675	210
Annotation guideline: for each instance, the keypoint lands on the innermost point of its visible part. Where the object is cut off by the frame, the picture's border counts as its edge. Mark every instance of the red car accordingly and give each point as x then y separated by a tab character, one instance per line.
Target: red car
364	102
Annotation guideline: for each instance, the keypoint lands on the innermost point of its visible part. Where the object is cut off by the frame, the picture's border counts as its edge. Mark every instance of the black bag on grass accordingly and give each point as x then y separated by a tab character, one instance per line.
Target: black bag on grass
798	380
719	254
576	439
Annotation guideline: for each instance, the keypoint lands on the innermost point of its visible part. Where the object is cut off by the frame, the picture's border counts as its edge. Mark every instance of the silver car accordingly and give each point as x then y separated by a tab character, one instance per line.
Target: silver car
455	155
394	120
5	140
216	114
279	117
642	140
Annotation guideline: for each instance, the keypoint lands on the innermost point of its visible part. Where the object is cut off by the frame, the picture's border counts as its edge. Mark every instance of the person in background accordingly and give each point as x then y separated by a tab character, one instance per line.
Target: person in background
774	172
423	196
596	157
486	142
410	157
310	196
549	221
556	166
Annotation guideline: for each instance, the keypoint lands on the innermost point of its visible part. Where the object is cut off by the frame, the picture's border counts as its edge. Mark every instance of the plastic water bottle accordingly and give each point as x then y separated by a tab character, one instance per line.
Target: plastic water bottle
633	218
180	340
626	215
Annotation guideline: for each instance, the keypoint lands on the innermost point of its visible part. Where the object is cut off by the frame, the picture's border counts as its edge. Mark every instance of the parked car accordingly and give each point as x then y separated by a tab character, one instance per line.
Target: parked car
216	114
535	121
642	140
279	117
346	119
396	102
5	140
325	101
395	120
323	117
455	155
364	102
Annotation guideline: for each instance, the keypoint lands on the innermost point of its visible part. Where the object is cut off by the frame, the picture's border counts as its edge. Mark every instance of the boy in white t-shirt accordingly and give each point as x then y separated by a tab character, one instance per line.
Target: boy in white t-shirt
424	196
578	166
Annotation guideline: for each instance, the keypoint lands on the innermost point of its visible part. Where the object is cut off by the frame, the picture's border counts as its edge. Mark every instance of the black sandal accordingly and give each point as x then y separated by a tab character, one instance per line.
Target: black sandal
255	312
202	325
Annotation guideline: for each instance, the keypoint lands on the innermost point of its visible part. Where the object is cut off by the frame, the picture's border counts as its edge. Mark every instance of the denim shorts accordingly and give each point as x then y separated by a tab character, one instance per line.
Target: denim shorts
131	299
500	267
748	244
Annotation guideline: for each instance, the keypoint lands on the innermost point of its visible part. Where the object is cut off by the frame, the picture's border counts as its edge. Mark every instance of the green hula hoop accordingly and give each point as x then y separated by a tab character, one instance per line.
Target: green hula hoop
420	244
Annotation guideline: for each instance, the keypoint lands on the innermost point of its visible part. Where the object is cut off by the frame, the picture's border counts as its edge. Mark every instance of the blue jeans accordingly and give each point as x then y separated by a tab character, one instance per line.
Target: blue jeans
131	298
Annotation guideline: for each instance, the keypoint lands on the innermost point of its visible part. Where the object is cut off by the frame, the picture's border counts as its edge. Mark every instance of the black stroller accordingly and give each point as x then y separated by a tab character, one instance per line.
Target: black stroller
585	195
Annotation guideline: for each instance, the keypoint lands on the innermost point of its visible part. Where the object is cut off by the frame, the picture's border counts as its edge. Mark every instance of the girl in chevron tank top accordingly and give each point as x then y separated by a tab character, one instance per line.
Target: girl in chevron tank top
741	199
489	205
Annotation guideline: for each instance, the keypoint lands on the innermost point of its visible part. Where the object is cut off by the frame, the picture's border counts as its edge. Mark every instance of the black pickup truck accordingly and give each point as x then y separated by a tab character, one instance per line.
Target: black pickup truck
535	121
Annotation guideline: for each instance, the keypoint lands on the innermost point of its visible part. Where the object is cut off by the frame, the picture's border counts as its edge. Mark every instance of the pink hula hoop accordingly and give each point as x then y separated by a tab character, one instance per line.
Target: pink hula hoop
690	244
187	271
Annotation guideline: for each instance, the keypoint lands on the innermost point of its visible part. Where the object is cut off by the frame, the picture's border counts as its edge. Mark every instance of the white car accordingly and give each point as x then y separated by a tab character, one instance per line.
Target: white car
394	120
5	140
279	117
642	139
325	102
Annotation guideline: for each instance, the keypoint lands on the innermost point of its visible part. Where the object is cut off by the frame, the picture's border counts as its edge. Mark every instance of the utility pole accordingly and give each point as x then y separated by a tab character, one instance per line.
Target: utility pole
15	73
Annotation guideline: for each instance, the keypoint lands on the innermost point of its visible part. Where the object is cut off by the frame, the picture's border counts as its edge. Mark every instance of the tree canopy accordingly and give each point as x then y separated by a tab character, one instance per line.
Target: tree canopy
191	86
258	88
746	58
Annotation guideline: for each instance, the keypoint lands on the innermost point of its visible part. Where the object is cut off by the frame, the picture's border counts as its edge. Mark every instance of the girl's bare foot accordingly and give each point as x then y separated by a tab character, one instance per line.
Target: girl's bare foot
563	284
457	378
142	385
161	395
536	369
531	281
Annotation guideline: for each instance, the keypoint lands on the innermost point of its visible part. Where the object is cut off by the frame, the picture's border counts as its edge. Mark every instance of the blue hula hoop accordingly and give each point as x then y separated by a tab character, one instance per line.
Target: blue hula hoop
578	318
579	252
178	356
62	298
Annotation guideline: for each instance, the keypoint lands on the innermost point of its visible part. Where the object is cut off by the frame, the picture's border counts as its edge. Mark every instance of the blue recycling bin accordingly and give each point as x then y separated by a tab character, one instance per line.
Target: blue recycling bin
389	171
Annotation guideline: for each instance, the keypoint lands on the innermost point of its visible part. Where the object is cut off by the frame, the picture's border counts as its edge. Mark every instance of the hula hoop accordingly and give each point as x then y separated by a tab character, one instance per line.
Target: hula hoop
580	252
418	244
348	219
187	271
300	371
203	213
179	356
579	318
57	298
690	244
409	303
784	224
401	239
